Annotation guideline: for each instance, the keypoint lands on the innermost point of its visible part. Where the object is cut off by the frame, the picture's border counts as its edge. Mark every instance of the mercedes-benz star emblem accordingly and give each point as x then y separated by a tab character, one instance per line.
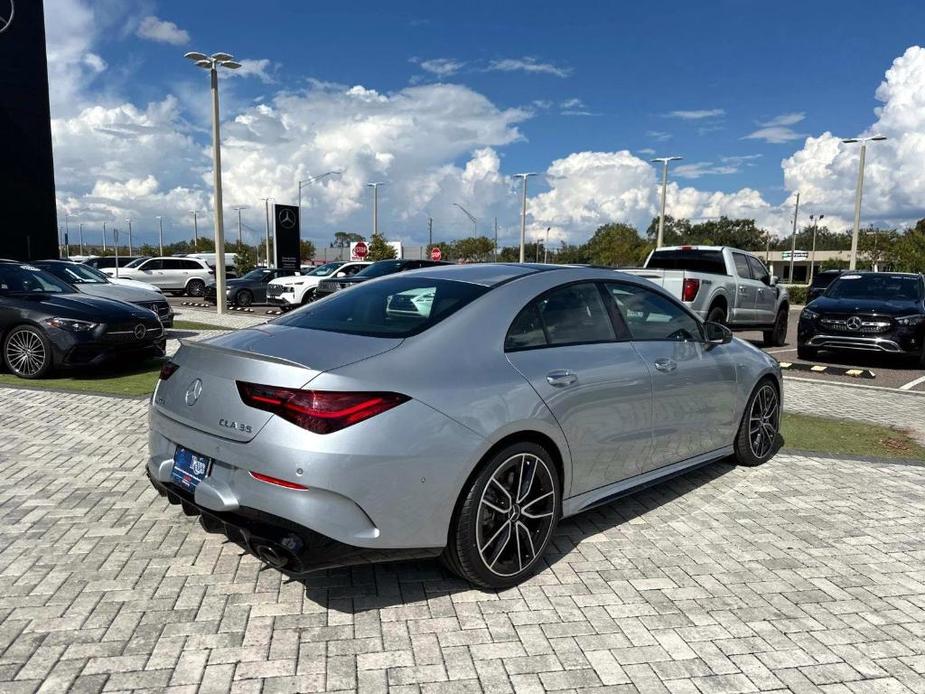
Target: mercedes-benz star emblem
193	392
286	219
139	331
6	15
853	323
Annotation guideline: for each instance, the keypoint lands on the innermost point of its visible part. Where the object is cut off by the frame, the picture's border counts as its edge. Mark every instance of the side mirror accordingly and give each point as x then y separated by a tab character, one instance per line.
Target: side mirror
717	333
341	274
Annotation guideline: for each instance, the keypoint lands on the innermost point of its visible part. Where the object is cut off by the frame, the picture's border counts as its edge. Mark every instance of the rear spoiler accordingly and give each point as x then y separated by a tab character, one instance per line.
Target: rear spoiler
250	355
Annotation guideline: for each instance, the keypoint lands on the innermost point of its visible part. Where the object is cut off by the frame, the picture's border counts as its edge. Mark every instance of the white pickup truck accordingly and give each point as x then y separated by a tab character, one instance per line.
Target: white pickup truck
723	285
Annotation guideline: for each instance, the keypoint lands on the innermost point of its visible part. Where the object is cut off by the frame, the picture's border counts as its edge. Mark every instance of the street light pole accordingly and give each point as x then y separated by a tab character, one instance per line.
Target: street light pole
375	186
238	210
80	236
129	236
858	193
546	247
659	240
812	257
212	63
160	234
793	236
474	220
523	213
195	230
266	206
496	241
104	237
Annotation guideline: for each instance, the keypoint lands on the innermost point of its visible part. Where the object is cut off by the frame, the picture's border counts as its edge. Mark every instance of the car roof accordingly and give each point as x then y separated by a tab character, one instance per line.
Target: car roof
484	274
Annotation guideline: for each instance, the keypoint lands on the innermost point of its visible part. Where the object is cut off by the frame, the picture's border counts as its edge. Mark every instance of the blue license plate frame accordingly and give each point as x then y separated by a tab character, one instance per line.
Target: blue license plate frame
189	469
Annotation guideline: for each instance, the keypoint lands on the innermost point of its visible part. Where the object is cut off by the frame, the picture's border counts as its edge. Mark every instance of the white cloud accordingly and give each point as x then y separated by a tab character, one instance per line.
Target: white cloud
777	130
527	64
658	135
259	68
704	168
784	119
697	115
442	67
162	31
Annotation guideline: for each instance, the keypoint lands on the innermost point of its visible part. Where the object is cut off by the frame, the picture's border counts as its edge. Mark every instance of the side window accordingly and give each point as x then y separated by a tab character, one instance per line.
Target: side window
741	262
569	315
190	265
152	265
759	271
351	270
651	316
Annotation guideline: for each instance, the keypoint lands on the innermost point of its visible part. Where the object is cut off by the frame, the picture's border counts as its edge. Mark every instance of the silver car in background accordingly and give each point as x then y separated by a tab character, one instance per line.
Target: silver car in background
457	411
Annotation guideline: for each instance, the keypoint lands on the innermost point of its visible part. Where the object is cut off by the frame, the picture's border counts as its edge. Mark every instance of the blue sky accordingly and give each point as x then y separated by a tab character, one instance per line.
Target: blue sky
695	79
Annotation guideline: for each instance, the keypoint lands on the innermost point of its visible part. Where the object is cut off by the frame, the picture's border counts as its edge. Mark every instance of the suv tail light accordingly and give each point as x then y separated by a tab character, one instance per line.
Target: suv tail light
689	289
321	412
167	369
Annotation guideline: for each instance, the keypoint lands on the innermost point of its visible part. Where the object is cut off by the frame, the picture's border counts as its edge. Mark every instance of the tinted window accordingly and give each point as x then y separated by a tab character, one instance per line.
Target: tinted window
323	270
396	307
876	285
693	260
75	273
154	265
351	270
383	267
759	271
651	316
824	279
569	315
27	279
190	265
741	262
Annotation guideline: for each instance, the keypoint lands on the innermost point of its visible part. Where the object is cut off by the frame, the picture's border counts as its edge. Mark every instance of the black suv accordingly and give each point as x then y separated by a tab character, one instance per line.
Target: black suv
378	269
867	311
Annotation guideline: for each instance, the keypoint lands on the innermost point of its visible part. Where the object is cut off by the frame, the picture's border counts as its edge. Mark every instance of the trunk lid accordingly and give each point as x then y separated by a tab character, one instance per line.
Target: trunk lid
203	392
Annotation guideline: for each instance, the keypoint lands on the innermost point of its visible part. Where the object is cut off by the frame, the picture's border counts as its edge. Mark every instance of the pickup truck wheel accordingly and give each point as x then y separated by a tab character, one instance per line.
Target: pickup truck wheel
777	335
717	314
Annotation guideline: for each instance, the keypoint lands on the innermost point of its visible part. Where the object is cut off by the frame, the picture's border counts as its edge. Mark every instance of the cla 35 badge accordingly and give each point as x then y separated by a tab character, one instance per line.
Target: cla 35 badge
238	426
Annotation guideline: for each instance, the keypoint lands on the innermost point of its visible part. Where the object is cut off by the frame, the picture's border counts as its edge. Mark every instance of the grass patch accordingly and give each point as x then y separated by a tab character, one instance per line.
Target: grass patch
195	325
846	437
127	381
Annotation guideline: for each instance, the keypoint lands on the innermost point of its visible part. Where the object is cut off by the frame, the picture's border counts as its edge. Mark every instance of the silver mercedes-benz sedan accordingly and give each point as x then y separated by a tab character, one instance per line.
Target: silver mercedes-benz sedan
459	411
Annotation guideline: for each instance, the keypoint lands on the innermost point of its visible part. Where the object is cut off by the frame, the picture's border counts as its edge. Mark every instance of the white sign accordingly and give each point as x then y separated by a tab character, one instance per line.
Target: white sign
797	255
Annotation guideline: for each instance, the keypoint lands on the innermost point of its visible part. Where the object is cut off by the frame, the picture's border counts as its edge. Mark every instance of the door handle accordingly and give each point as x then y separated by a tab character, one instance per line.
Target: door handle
561	377
743	289
666	365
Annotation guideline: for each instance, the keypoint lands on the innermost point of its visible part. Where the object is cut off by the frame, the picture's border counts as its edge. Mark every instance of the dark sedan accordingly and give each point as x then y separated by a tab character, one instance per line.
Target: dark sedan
47	324
249	289
866	311
377	269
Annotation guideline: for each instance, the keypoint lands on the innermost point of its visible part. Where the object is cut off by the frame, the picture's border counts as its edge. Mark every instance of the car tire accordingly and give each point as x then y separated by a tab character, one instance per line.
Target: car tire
27	352
777	335
717	314
501	529
308	297
807	353
243	298
195	287
759	432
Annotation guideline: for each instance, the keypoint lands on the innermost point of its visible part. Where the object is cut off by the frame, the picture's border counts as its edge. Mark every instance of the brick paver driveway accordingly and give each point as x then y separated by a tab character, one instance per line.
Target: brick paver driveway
806	573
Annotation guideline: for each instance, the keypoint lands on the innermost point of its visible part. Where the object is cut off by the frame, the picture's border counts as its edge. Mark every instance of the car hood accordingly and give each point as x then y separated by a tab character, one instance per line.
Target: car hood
119	292
825	304
296	279
85	307
137	284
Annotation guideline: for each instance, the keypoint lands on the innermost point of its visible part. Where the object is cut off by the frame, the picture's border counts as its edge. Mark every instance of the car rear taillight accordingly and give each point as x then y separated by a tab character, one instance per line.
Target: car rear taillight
278	482
689	289
167	369
319	411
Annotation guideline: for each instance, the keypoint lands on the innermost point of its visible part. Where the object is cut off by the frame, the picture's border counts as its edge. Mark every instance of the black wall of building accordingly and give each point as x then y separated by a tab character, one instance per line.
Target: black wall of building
28	223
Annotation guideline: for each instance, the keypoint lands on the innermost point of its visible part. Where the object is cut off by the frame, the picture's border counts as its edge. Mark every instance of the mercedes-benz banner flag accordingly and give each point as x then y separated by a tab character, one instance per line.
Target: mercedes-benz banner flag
288	249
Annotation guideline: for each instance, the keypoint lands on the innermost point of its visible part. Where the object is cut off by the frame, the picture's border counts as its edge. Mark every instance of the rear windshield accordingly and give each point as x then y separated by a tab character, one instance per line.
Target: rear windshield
883	286
394	307
823	279
383	267
693	260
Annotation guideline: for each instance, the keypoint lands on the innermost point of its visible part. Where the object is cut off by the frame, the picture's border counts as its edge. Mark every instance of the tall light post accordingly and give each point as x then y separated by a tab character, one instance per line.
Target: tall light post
129	220
266	206
523	212
793	236
67	232
212	63
80	236
659	240
104	237
812	257
375	186
195	214
160	234
474	220
238	210
314	179
857	194
546	247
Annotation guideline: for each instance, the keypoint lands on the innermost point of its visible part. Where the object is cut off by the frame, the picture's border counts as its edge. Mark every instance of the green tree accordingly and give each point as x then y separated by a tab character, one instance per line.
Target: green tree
910	249
245	258
677	231
878	247
474	249
379	249
149	250
617	245
306	250
343	239
573	255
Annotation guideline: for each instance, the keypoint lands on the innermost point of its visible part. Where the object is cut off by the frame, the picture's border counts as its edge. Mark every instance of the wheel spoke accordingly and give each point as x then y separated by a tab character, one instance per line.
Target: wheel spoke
537	499
521	492
507	541
506	493
495	536
496	509
520	526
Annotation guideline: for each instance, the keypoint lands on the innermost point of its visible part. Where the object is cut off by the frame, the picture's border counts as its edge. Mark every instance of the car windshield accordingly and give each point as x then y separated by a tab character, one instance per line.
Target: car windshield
383	267
877	286
688	259
28	279
258	274
823	279
77	274
397	307
323	270
135	263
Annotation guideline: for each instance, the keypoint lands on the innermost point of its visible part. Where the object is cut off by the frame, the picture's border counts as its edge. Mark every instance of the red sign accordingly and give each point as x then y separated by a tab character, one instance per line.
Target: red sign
435	253
361	250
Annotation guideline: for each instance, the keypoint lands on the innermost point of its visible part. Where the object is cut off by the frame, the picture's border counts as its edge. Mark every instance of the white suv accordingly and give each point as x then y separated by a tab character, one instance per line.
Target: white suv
187	275
300	289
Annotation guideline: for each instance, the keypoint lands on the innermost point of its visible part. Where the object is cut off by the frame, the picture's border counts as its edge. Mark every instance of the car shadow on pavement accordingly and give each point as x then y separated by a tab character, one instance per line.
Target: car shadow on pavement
354	590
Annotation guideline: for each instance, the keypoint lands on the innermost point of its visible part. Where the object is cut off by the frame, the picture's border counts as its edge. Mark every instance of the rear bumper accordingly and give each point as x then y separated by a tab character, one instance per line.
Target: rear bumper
286	546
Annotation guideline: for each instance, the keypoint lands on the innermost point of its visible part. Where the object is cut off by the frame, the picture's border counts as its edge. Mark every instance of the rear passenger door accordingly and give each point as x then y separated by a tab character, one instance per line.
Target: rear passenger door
746	290
766	297
586	370
152	271
693	384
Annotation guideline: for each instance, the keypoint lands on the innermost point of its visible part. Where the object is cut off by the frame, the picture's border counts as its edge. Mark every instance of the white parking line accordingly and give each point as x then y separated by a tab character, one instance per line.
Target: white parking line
779	351
912	384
